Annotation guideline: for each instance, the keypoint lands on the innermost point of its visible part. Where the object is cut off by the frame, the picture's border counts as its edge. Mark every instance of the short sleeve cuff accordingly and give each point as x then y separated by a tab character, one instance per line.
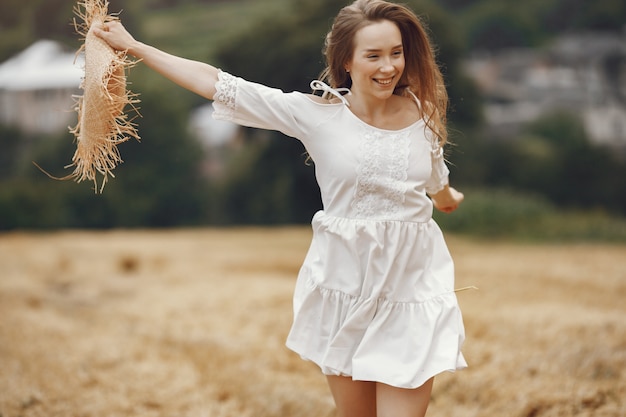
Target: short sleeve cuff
225	99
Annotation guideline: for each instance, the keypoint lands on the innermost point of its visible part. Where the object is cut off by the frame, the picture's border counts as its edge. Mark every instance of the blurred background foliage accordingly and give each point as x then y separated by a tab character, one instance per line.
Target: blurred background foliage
549	182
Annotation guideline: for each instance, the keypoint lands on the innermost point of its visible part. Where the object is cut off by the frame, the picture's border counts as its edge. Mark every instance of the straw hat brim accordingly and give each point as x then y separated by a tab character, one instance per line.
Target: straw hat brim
102	121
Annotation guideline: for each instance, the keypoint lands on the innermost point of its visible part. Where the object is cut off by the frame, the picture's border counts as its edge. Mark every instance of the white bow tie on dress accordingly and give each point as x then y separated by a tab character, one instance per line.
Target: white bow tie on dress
317	85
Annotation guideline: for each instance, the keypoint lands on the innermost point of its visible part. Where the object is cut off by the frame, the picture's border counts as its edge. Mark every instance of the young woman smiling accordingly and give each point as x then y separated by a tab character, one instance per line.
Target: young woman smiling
374	303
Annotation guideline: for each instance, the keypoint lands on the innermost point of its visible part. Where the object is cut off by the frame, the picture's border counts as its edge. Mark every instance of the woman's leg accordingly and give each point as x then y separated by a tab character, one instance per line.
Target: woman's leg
401	402
353	398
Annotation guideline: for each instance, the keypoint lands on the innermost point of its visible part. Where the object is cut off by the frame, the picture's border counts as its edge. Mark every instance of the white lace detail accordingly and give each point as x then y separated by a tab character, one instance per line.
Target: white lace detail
382	174
226	93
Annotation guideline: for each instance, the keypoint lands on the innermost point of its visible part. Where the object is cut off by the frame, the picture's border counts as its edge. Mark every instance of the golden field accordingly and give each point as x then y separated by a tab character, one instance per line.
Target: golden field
193	322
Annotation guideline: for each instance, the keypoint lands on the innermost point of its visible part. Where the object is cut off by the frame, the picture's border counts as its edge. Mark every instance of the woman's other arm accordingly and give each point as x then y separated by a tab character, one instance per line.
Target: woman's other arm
447	200
195	76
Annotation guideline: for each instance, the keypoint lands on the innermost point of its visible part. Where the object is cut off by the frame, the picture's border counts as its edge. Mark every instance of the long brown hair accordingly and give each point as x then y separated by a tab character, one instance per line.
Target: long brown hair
421	75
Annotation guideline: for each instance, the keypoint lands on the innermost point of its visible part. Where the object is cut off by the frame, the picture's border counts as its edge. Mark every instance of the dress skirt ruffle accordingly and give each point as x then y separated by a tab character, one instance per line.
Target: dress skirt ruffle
375	301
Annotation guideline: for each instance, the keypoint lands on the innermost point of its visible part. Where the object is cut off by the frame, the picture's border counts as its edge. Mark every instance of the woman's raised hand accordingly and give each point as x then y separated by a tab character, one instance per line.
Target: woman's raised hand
116	35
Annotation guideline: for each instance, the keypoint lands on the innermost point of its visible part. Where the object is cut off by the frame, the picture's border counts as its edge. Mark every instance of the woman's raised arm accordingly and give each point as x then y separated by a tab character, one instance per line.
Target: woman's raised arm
192	75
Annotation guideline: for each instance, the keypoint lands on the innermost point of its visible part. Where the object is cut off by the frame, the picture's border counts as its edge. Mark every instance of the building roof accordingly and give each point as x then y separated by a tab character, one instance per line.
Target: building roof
43	65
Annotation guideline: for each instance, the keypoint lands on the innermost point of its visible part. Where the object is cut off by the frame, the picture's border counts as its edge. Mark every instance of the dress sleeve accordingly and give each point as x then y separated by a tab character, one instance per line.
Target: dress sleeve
439	174
255	105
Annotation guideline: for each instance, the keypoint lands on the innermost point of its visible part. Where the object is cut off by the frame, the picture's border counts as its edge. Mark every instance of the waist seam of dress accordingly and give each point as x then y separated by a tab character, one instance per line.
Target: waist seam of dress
372	220
326	292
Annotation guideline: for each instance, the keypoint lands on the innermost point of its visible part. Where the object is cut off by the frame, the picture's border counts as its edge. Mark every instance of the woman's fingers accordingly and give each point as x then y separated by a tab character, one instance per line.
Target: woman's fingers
114	34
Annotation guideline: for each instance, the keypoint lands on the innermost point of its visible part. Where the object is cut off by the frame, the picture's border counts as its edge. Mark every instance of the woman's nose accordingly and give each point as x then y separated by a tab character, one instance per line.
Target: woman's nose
386	65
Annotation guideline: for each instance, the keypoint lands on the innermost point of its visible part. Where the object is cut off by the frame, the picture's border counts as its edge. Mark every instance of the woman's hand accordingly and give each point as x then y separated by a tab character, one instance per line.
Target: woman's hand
116	35
447	200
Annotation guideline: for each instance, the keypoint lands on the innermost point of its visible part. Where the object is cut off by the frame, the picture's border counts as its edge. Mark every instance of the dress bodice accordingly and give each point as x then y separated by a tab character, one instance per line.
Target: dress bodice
363	172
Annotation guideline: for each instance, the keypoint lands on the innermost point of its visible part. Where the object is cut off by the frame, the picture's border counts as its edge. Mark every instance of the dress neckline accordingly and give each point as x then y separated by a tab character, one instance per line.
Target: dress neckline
317	85
380	129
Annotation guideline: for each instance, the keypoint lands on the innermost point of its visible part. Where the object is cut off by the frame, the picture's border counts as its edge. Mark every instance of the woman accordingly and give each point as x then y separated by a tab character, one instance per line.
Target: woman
374	304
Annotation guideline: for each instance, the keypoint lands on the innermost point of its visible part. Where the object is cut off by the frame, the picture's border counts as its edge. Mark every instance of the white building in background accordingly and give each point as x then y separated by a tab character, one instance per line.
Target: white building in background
218	138
584	74
37	88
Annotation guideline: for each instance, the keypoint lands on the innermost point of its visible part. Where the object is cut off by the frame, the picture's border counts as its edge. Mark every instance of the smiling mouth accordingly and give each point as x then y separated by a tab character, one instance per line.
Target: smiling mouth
385	82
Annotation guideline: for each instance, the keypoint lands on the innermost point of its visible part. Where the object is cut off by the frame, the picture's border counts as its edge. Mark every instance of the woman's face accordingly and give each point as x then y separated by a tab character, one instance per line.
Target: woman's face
377	61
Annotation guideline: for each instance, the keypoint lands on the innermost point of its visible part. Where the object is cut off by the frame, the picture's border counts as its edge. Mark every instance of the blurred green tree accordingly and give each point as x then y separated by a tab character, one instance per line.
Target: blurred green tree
568	169
11	140
569	15
498	25
53	18
456	5
160	184
551	157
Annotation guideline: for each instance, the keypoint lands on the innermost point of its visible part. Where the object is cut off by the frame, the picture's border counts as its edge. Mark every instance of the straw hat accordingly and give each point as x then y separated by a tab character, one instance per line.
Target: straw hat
102	123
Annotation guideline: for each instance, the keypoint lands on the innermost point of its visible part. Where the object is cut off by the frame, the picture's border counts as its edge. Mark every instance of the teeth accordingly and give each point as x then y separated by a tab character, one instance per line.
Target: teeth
385	82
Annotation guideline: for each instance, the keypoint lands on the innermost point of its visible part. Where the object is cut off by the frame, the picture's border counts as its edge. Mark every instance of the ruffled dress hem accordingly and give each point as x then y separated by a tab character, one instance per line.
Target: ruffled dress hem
394	364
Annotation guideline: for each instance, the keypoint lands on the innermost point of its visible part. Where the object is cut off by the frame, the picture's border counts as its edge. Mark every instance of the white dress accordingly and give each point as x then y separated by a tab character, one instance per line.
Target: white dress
374	298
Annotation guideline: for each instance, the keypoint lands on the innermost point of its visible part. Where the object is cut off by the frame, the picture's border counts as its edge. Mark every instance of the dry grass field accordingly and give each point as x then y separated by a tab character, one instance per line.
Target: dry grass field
192	323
